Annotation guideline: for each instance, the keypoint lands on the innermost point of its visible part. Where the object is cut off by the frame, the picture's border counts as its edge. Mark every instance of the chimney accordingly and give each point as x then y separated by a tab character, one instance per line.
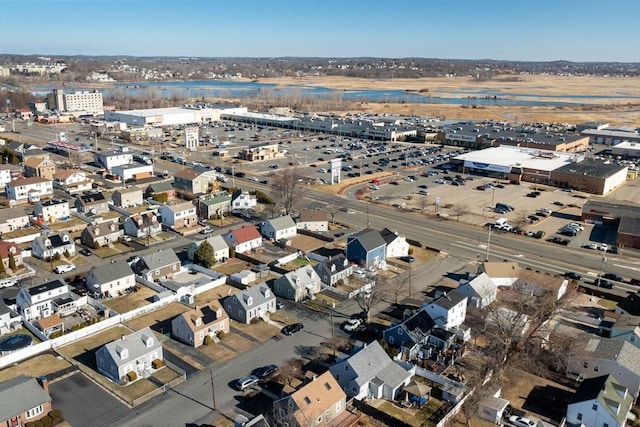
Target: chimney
44	383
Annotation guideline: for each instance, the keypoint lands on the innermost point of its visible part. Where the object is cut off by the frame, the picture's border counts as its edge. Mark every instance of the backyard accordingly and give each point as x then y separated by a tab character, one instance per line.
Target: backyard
159	320
36	366
129	302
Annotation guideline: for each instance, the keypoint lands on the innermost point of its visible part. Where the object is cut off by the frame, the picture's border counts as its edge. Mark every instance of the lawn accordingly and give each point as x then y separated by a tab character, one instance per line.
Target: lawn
159	320
233	265
281	317
215	294
217	352
63	225
306	243
105	252
261	330
409	416
237	342
83	351
36	366
131	301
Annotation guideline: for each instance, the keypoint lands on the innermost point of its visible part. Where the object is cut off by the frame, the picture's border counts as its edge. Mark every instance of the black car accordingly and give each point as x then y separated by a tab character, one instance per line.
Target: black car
85	252
603	283
407	258
613	276
572	275
265	371
292	329
559	241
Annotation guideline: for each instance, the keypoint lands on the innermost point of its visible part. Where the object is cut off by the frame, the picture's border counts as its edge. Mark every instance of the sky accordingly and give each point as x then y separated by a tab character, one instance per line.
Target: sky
526	30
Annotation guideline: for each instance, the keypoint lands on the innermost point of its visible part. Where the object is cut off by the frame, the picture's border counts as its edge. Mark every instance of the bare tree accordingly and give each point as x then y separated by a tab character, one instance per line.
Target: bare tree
287	189
460	209
290	370
332	210
423	203
370	297
398	286
521	218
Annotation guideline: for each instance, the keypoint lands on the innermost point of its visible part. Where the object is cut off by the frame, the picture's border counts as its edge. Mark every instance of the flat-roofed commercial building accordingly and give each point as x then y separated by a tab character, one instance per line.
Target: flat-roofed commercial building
590	176
611	136
624	216
173	116
91	102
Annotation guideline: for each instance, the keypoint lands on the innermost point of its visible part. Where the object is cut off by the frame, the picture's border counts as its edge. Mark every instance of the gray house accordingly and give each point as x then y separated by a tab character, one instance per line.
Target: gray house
102	234
111	278
220	248
208	206
371	373
413	330
366	248
331	270
299	284
279	228
161	264
92	203
127	197
254	302
131	353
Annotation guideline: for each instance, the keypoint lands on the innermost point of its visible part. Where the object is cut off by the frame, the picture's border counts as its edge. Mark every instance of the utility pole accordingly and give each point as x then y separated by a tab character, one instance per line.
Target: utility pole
213	389
488	244
333	333
367	215
604	259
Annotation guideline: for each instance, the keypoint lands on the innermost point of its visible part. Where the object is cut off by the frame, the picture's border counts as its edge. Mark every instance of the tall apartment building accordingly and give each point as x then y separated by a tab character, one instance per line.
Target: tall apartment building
78	101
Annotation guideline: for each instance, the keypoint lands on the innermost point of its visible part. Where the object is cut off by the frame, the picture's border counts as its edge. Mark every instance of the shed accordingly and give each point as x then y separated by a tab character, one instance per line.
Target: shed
493	409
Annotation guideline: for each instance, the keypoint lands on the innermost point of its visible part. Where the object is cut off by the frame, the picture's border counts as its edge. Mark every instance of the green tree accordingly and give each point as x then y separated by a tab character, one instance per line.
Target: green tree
2	266
12	262
161	197
205	255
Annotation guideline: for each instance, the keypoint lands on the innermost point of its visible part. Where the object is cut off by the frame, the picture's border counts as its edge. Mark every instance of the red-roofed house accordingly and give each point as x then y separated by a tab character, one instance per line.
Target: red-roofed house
244	239
6	250
24	113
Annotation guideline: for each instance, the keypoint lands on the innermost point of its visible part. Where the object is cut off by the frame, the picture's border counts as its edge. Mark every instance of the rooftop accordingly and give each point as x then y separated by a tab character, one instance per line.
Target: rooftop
594	169
529	158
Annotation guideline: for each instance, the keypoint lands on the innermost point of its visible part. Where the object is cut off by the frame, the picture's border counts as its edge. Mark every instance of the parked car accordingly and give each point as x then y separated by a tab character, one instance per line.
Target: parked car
265	371
559	241
245	382
292	329
521	421
613	276
572	275
279	305
603	283
407	258
206	230
351	325
86	252
64	268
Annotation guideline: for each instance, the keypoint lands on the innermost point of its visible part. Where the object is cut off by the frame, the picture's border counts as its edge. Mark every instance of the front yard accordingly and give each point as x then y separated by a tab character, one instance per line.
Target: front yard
106	252
215	294
260	331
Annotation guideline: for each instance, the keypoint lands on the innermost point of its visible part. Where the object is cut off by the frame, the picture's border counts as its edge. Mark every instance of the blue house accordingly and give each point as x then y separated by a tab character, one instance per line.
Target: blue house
366	248
413	330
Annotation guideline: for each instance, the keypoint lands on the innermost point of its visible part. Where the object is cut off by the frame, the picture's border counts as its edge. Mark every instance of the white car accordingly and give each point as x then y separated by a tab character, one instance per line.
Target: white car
253	178
521	421
604	247
64	268
351	325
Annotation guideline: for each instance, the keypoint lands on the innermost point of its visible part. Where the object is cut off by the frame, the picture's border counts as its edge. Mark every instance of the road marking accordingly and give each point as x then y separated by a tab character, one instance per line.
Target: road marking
626	266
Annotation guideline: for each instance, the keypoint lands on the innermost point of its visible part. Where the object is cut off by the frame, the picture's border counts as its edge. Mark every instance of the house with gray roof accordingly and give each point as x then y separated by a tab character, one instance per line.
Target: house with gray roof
102	234
480	290
366	248
397	245
217	242
333	269
111	278
622	327
371	373
47	298
13	219
252	303
298	285
208	206
94	203
142	225
313	220
599	401
279	228
135	352
415	329
600	356
242	200
127	197
162	264
160	188
450	310
23	399
48	245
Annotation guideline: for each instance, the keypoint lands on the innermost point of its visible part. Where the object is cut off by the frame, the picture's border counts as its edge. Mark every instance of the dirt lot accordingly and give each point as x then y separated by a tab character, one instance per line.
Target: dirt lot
35	367
159	320
131	301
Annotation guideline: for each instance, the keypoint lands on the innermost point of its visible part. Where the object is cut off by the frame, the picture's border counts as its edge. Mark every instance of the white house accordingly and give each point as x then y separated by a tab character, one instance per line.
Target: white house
13	219
599	401
111	278
313	220
299	284
479	290
244	239
220	248
279	228
52	210
243	200
178	216
397	245
254	302
111	159
43	300
450	310
34	189
128	197
48	245
8	173
72	181
502	273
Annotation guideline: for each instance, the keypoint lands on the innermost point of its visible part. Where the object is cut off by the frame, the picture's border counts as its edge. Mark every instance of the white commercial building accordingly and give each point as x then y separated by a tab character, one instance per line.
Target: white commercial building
91	102
172	116
111	159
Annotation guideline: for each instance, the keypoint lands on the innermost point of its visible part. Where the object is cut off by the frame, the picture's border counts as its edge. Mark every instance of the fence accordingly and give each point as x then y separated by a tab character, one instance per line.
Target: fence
315	235
387	419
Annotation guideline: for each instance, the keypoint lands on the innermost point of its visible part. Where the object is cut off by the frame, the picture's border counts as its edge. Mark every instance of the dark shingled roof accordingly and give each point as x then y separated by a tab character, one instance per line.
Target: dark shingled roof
594	169
369	239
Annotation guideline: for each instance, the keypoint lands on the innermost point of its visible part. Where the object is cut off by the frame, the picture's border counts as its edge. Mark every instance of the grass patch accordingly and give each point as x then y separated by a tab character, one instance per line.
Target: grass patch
36	366
27	231
105	252
280	317
414	418
166	374
217	352
261	331
159	320
237	342
232	266
63	225
215	294
609	305
131	301
84	350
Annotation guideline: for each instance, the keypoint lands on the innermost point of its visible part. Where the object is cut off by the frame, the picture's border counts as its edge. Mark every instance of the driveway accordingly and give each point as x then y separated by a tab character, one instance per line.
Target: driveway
76	397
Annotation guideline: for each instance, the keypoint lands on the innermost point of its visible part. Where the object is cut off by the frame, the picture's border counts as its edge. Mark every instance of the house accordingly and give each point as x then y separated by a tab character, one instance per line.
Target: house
50	324
600	356
413	330
111	159
135	352
366	248
52	210
244	277
210	207
600	401
179	216
8	318
621	327
46	299
397	246
195	180
448	311
94	203
371	373
252	303
8	173
142	225
480	290
133	171
23	399
332	270
242	200
243	239
317	402
313	220
99	235
629	305
502	273
48	245
160	188
10	250
110	279
12	219
34	189
279	228
41	167
162	264
127	197
298	285
193	326
536	284
72	181
220	248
